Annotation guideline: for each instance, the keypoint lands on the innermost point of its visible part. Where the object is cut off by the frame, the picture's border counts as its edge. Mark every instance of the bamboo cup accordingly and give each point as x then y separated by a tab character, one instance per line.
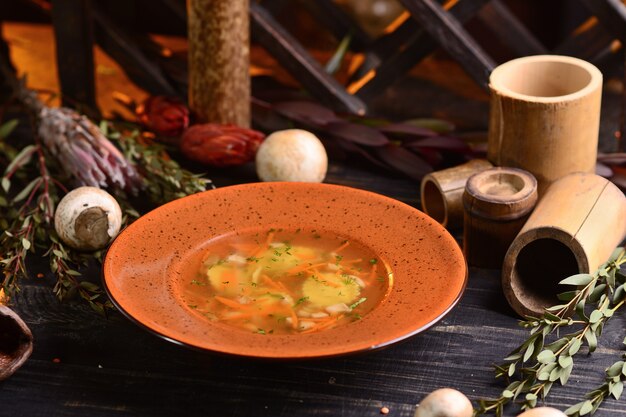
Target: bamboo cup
219	60
497	202
574	229
441	192
545	116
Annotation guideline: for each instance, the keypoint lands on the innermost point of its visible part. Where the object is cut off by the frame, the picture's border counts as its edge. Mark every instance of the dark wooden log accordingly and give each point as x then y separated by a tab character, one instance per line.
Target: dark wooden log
509	30
451	35
295	59
74	51
417	48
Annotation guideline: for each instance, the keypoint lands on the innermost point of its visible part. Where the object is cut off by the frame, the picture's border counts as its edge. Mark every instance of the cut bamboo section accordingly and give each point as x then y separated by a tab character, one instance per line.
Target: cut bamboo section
574	229
545	116
219	60
441	192
496	202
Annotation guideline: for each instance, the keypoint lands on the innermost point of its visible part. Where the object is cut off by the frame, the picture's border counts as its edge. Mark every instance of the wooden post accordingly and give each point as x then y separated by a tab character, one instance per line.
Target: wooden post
545	116
441	192
74	51
219	60
574	228
496	203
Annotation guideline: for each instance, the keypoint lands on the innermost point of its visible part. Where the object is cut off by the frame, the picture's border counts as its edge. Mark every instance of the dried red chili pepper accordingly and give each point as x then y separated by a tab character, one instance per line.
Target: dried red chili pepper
166	116
220	145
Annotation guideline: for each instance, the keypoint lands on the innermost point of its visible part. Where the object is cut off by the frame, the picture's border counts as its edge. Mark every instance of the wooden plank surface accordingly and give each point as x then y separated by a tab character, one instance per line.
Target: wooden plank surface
111	367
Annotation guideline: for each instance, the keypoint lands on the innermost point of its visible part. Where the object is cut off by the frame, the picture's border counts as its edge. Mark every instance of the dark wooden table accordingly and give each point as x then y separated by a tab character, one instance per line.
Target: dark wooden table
87	365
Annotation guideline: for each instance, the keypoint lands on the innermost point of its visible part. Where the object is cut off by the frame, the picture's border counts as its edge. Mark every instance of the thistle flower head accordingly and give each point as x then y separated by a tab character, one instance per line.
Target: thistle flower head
84	152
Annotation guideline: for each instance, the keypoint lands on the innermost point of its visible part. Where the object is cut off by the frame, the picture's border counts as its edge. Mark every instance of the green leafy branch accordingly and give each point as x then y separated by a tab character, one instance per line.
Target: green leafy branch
615	377
538	363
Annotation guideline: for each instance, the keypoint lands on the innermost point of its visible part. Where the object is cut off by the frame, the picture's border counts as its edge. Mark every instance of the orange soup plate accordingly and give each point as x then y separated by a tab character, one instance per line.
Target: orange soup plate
285	271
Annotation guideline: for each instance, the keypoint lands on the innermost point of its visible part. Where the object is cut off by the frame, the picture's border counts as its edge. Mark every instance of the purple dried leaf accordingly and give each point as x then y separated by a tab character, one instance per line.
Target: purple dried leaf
617	158
354	148
363	135
436	125
603	170
444	143
306	112
407	130
83	151
404	161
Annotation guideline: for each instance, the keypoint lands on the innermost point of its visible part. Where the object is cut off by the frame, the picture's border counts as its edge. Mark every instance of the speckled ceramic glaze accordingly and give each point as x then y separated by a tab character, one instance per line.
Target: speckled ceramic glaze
142	267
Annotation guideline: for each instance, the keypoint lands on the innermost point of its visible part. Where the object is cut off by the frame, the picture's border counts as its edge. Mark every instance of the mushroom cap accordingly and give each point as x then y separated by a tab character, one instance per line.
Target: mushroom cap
292	155
445	402
87	218
542	412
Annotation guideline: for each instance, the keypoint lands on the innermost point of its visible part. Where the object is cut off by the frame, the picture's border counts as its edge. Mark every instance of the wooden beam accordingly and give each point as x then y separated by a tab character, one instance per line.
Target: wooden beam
611	14
451	35
509	30
420	45
298	62
74	51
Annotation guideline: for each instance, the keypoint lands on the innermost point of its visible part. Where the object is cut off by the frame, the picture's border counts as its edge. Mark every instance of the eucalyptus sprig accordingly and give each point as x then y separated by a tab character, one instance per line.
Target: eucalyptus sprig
615	378
539	362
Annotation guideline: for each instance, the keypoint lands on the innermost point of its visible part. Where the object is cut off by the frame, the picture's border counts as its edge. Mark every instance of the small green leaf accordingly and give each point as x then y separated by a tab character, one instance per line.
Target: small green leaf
574	409
26	190
578	279
595	316
7	127
586	408
617	389
565	361
564	377
6	184
592	340
507	394
615	369
617	253
26	243
546	356
575	346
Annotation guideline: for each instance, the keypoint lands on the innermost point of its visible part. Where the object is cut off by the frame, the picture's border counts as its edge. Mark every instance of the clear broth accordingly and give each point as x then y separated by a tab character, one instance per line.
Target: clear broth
285	282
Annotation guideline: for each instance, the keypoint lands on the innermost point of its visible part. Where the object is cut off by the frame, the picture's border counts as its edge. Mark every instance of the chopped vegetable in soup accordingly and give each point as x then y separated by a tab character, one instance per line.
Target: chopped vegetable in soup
281	282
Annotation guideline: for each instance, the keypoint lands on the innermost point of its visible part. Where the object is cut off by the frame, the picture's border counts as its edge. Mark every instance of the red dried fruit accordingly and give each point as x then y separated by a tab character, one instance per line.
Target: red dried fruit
165	116
220	145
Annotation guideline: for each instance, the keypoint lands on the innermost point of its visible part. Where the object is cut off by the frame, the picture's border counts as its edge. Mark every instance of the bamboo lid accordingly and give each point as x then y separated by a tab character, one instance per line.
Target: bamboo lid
500	194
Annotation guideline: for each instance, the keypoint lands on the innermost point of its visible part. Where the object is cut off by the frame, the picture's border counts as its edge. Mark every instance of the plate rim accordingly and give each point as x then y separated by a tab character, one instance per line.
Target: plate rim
339	353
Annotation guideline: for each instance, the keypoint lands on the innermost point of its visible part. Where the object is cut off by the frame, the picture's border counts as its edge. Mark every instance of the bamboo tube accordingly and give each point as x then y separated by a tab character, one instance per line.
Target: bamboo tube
497	202
545	116
441	192
219	60
574	229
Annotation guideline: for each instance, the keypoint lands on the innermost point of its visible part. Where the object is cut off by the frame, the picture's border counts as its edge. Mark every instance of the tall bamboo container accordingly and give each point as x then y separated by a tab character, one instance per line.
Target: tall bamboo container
545	116
441	192
219	60
574	228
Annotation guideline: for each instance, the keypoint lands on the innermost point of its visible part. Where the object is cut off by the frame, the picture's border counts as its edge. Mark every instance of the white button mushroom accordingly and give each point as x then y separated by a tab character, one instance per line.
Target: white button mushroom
87	218
543	412
292	155
445	402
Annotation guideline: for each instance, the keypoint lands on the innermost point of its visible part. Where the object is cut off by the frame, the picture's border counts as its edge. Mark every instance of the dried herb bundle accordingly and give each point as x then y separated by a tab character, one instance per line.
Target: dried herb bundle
541	360
39	171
